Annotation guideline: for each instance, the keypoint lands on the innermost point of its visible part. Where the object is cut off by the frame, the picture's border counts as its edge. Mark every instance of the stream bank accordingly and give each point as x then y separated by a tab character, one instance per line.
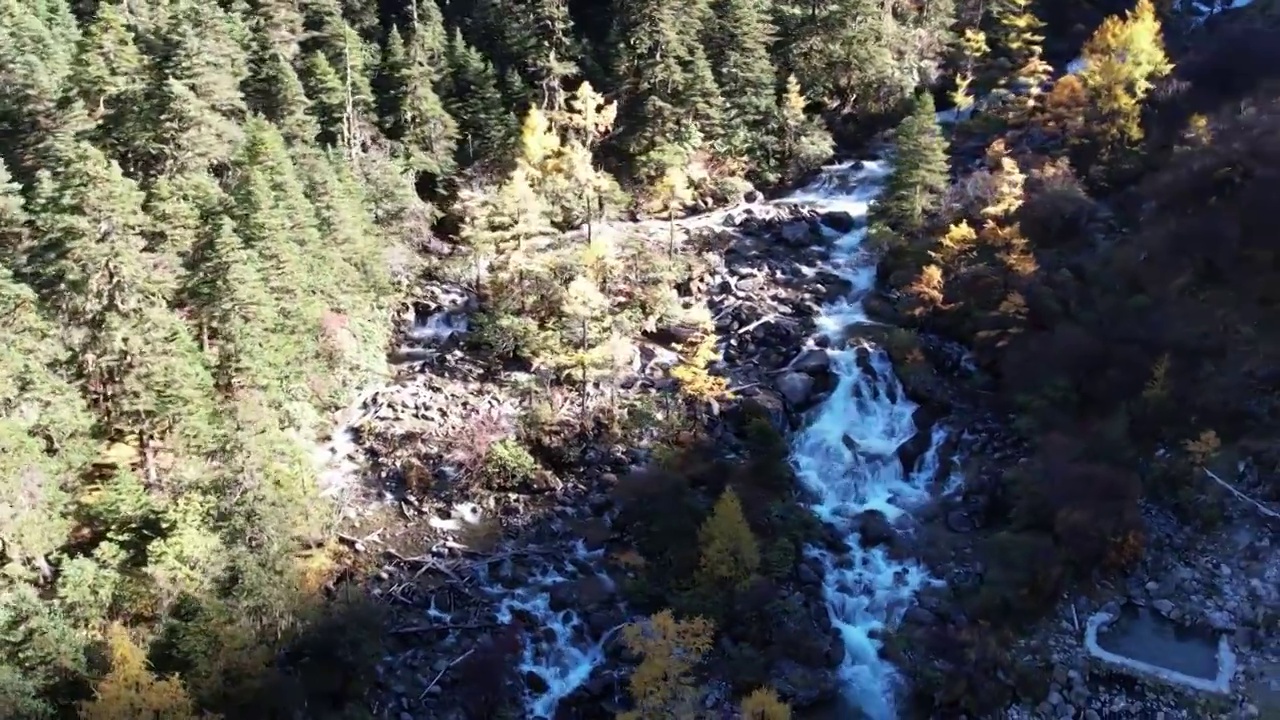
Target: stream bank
544	574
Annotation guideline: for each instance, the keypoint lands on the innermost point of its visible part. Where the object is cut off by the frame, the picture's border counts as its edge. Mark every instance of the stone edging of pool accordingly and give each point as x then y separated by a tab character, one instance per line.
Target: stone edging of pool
1221	684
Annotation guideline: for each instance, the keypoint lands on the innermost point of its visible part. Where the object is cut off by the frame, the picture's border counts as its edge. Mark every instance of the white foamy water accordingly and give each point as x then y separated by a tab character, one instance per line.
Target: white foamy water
560	648
847	457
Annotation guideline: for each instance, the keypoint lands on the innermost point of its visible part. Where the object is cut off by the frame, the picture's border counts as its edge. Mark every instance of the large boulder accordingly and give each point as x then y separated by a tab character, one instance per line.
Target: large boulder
796	387
840	221
797	233
802	685
812	362
766	404
874	529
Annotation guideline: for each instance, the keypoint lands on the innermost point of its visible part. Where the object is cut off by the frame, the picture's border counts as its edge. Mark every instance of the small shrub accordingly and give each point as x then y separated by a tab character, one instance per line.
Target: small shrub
1057	210
508	464
470	447
131	690
660	511
763	704
779	560
1025	572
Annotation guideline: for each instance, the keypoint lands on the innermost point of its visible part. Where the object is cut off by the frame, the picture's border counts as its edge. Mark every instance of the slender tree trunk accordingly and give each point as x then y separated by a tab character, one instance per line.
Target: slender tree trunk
671	230
583	364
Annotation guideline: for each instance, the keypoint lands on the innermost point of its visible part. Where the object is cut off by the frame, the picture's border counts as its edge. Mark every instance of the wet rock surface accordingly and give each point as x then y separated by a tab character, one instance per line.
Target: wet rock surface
550	547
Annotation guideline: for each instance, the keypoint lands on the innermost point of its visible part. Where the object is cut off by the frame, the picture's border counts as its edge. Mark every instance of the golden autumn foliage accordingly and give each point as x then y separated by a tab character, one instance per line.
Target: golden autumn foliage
539	141
764	704
972	48
1065	108
1007	188
131	691
673	191
959	238
662	687
1122	59
730	553
691	372
1203	447
1197	134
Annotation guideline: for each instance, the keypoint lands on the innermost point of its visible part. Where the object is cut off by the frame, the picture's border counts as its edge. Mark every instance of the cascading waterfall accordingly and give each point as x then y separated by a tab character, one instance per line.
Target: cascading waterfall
847	456
568	652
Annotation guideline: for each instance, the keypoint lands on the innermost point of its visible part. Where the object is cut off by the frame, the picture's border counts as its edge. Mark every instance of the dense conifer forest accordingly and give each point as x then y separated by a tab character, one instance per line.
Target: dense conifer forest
213	215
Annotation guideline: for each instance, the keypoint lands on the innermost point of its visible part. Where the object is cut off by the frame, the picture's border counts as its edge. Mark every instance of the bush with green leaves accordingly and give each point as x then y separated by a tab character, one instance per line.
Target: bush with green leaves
508	464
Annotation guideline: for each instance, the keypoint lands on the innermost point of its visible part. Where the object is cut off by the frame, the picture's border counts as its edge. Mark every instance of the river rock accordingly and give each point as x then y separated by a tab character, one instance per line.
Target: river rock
959	521
796	387
769	405
916	615
535	682
804	686
585	593
812	362
797	233
910	452
874	529
840	221
880	309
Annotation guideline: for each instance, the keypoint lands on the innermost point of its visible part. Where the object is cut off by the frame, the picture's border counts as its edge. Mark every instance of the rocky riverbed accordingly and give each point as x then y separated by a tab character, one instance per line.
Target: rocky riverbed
534	578
545	558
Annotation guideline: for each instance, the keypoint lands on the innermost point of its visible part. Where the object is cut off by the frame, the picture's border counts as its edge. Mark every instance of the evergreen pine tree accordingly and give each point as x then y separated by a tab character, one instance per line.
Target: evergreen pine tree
428	37
43	419
37	50
742	34
275	90
136	361
108	64
661	76
329	98
548	49
920	174
236	310
486	129
275	220
419	121
855	56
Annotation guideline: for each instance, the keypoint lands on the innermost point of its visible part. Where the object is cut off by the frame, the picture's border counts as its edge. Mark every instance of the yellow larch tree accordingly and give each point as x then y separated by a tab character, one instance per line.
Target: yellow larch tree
973	48
1008	182
662	687
730	553
696	382
1122	59
130	690
673	192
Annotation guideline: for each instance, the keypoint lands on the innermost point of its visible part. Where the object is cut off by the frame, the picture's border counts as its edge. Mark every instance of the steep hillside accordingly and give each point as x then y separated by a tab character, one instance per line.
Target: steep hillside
1106	256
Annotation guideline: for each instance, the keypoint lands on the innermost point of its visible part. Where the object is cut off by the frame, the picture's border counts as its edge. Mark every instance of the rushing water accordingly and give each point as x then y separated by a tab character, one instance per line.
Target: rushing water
847	456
